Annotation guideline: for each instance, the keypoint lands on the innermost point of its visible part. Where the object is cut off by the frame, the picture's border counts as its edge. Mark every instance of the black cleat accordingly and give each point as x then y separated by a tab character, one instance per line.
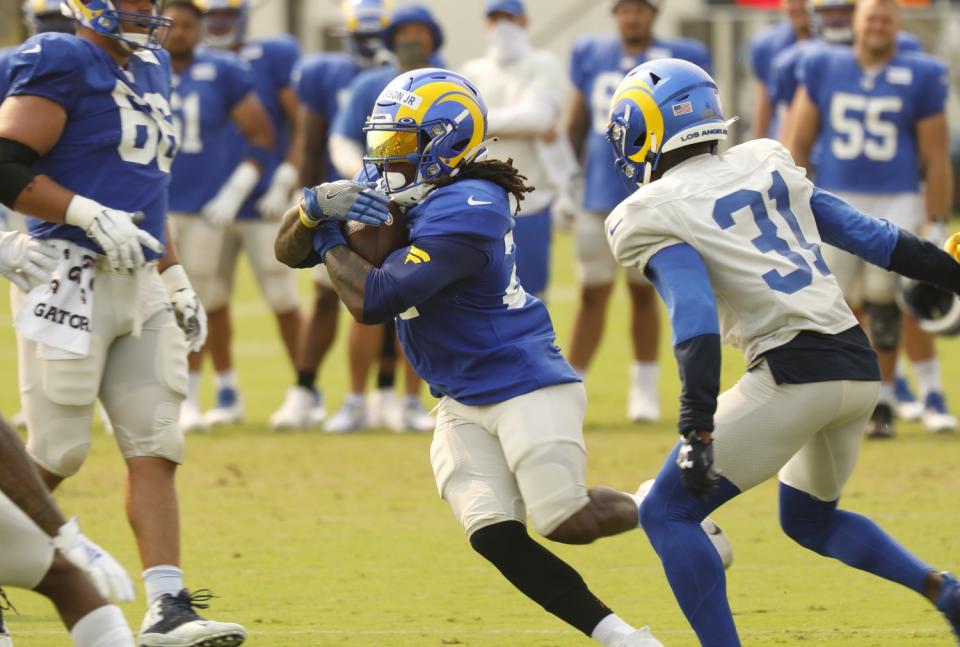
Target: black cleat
881	422
172	622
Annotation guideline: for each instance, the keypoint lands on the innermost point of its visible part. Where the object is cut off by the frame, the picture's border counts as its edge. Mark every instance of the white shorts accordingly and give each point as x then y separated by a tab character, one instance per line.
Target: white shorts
812	431
209	256
497	462
595	262
141	381
861	281
27	552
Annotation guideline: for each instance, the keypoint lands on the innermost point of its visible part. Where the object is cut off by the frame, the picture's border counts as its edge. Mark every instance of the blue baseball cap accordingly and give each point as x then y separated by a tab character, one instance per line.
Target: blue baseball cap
512	7
410	14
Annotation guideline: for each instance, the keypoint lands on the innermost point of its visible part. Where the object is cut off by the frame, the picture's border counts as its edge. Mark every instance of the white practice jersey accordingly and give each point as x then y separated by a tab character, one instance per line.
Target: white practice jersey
747	212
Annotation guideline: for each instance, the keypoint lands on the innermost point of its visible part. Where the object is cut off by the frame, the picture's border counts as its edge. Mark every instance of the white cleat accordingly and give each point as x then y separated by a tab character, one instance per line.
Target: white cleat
909	411
713	531
383	410
192	419
415	417
643	404
6	640
172	622
296	412
639	638
351	417
936	418
18	421
229	409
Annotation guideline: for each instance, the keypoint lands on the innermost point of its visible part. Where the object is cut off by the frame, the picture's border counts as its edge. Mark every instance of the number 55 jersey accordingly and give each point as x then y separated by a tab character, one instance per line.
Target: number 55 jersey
118	142
748	214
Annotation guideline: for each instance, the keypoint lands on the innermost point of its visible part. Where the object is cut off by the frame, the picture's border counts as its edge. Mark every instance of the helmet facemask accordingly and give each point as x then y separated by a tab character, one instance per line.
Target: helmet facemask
224	28
109	21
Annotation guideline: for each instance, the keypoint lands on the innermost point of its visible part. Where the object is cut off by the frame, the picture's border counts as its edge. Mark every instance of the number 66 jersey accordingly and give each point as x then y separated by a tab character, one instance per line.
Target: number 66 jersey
118	142
747	213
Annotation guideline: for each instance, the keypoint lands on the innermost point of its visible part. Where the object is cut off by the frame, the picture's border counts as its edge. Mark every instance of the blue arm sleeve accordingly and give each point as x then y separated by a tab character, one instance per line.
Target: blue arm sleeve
680	276
843	226
412	275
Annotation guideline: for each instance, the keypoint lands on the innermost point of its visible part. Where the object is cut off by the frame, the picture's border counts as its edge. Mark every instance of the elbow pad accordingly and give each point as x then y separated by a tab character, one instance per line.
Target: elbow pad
16	169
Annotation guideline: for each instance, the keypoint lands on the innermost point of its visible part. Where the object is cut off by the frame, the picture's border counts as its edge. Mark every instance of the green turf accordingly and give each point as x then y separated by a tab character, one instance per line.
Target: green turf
310	539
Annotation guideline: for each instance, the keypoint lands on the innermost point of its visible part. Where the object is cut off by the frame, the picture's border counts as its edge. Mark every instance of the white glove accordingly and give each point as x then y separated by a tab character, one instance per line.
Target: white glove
223	207
23	258
276	200
114	231
191	317
108	576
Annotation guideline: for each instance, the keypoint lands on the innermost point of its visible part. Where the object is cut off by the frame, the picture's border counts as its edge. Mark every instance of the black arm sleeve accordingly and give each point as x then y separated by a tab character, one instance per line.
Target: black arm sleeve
16	169
699	361
920	259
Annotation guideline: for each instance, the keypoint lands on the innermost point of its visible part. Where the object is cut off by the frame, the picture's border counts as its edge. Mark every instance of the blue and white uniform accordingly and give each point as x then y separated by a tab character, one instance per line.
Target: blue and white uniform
598	65
764	48
117	148
9	220
868	144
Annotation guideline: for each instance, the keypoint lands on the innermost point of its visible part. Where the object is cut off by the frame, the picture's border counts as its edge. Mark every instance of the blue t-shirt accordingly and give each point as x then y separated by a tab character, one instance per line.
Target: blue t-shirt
480	339
868	119
272	61
203	95
119	140
597	67
322	82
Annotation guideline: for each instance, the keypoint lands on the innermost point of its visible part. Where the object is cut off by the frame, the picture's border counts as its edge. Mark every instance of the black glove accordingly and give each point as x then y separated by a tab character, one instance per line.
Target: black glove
695	461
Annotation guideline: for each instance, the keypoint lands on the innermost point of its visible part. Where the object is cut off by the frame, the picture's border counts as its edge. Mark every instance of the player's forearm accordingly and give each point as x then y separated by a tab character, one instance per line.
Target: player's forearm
170	255
294	241
762	112
938	178
313	169
578	124
45	199
20	482
348	273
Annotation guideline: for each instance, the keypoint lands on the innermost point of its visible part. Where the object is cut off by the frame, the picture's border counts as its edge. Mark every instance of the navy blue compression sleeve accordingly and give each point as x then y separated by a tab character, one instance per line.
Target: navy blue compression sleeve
680	276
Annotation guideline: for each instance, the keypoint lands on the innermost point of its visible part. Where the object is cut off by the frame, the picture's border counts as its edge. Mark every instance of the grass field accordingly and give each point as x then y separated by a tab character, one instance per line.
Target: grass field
310	539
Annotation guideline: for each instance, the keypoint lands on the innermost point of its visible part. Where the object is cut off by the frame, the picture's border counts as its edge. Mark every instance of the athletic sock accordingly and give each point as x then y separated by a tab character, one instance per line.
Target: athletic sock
161	580
886	393
644	374
227	380
102	627
194	389
307	380
611	629
928	376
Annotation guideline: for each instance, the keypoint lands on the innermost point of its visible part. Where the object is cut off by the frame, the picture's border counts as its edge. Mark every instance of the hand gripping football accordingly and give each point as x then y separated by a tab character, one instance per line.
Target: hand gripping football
374	244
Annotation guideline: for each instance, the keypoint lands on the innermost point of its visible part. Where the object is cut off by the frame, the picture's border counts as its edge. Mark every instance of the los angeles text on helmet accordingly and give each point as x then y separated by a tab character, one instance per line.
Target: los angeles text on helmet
703	133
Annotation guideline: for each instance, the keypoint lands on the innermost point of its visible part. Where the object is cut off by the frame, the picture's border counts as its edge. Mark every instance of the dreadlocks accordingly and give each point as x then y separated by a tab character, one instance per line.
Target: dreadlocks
501	173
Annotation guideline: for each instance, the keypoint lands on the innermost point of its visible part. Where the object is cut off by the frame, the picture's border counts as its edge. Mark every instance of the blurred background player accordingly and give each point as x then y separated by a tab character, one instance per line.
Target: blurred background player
878	116
414	37
597	66
525	90
248	205
763	49
90	114
321	82
212	94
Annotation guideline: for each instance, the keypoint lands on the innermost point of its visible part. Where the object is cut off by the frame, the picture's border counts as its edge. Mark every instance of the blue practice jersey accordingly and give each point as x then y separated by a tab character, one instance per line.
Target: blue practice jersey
481	339
597	67
6	54
868	119
119	140
362	95
765	46
203	95
322	83
272	61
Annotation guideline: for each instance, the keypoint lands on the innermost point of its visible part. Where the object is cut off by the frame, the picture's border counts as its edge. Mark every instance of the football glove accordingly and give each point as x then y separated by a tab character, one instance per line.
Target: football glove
344	200
222	209
191	317
23	258
695	461
276	200
952	246
108	576
115	232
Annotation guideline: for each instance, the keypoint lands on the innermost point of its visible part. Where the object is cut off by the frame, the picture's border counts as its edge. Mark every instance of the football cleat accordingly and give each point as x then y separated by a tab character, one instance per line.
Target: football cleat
948	602
712	530
229	409
639	638
191	418
643	404
908	407
172	622
415	417
299	410
383	410
351	417
881	422
936	418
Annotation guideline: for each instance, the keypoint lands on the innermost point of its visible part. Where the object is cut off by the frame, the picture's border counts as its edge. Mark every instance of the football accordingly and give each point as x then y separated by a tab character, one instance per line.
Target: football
374	244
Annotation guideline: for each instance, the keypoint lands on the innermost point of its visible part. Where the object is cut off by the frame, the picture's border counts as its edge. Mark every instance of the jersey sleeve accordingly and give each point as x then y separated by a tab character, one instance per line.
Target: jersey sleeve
846	228
286	53
472	208
238	77
48	68
810	73
636	233
932	93
307	79
760	56
580	73
352	117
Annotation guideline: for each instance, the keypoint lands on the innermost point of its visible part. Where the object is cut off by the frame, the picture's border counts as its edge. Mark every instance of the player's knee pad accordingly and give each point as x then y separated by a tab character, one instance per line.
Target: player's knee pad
804	519
280	290
884	325
60	446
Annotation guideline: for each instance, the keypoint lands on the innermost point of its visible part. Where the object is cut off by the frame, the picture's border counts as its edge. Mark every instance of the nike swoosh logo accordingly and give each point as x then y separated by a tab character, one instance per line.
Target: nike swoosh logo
331	196
476	203
33	50
615	227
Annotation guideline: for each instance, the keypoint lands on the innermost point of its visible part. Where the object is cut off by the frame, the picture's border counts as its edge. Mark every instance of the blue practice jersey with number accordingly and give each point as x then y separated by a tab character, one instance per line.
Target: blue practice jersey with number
868	118
482	339
321	82
272	61
119	141
598	64
202	97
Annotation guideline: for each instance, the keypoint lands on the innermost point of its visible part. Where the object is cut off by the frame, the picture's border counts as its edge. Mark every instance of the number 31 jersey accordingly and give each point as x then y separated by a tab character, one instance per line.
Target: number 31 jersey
119	141
868	118
747	212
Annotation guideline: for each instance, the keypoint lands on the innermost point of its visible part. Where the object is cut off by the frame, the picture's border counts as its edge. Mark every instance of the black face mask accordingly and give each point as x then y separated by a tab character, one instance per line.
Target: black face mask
411	56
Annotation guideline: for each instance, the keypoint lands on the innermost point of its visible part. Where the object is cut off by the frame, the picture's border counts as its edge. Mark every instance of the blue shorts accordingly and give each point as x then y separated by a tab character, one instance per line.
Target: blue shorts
532	236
